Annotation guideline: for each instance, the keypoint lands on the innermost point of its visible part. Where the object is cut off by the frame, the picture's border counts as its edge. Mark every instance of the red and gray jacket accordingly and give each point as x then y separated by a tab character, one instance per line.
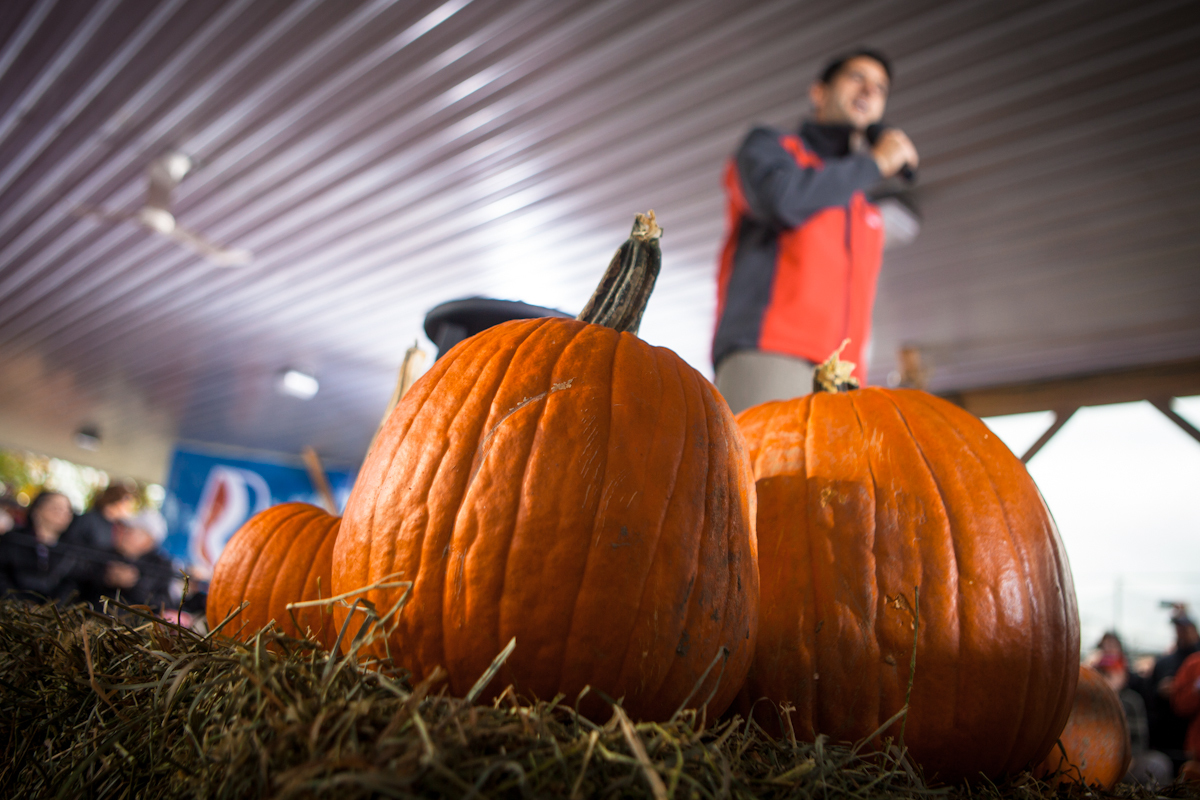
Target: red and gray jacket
802	255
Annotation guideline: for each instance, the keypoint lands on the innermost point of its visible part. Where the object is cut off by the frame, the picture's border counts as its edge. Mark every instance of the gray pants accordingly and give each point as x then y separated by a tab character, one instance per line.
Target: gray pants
749	377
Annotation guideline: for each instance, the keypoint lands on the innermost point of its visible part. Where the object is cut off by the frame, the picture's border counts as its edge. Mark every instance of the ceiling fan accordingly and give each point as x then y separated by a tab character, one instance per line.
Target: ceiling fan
164	174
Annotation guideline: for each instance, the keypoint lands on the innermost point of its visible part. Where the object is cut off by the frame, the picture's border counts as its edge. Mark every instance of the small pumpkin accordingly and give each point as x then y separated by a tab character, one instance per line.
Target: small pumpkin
562	482
281	555
865	495
1096	738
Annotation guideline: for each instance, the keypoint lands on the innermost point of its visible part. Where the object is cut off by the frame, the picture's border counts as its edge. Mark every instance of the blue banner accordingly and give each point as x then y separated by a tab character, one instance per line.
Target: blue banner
211	494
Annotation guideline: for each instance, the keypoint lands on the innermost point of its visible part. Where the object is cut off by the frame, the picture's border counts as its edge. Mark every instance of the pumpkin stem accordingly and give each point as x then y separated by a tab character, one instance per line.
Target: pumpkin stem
834	375
620	299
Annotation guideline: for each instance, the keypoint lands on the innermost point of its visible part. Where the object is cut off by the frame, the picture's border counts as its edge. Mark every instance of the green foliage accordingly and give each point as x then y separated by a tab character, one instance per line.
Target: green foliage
22	472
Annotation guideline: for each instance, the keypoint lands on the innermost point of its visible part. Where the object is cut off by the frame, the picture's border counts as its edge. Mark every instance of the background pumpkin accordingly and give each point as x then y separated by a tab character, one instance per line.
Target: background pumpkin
570	485
863	496
1096	738
281	555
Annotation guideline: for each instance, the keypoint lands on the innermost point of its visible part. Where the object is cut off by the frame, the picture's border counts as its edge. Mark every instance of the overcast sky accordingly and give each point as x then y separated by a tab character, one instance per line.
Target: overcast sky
1123	483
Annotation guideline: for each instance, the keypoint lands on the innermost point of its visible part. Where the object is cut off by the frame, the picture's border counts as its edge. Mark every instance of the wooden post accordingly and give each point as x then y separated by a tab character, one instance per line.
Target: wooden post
414	359
913	372
316	474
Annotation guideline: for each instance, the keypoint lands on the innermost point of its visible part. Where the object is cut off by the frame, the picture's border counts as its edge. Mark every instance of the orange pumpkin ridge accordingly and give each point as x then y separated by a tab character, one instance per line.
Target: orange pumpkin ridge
1056	573
574	487
1096	738
863	496
281	555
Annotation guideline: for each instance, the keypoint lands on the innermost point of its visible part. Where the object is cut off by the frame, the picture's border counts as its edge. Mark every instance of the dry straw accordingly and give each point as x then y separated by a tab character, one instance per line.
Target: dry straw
97	705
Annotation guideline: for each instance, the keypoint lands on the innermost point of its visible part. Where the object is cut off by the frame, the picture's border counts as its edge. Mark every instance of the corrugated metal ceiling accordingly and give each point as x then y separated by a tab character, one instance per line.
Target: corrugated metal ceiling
380	158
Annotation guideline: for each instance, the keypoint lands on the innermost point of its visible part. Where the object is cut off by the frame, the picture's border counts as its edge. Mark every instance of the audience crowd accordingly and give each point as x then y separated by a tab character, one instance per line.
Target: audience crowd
113	550
48	553
1161	698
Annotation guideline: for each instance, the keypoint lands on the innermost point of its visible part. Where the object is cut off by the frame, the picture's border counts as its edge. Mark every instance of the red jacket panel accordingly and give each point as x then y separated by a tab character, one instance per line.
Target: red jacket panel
797	289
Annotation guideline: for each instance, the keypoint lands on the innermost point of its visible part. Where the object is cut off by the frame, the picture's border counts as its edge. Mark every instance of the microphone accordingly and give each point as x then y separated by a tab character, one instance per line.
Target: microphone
873	132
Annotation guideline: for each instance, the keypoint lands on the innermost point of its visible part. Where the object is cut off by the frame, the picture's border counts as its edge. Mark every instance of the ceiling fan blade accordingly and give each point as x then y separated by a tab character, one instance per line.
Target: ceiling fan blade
94	212
221	256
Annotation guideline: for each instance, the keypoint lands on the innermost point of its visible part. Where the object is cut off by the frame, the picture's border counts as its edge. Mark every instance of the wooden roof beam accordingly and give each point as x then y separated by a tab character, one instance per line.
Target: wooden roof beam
1156	384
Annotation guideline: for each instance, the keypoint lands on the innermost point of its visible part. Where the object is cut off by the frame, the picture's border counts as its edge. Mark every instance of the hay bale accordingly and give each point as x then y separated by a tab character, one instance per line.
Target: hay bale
103	705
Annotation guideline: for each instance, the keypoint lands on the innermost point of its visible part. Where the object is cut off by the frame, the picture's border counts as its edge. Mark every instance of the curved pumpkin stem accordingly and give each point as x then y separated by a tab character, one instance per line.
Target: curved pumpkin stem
620	299
834	375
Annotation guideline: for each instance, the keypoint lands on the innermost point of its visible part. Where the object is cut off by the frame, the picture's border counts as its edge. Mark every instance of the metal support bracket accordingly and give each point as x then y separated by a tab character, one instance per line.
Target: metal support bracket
1061	415
1163	404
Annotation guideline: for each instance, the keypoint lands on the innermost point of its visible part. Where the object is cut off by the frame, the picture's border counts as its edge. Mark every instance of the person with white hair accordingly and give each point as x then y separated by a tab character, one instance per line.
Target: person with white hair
139	572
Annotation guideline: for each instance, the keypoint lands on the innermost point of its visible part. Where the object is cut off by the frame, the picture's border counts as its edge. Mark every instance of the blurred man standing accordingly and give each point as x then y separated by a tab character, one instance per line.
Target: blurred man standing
801	258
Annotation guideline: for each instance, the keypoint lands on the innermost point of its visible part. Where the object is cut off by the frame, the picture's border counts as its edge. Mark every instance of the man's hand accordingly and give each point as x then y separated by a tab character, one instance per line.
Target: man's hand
893	150
124	576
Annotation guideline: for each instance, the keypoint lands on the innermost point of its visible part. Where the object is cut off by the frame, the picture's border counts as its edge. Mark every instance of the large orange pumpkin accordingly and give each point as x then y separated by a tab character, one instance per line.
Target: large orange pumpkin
1096	739
281	555
863	496
564	483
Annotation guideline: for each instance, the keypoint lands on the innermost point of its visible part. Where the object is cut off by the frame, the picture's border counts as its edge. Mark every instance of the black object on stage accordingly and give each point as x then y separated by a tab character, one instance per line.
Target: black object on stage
873	132
449	323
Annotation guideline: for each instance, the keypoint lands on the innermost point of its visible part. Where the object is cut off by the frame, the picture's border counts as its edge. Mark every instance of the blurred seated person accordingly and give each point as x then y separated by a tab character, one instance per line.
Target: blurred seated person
1185	702
94	529
140	572
1167	729
11	515
34	564
1109	659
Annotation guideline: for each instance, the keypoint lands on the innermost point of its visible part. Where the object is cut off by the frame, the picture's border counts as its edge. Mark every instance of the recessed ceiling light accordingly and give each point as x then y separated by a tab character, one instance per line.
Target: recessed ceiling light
295	383
87	438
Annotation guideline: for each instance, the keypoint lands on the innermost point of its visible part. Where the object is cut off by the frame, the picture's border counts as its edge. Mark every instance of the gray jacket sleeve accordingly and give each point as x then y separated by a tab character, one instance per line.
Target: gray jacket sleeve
782	193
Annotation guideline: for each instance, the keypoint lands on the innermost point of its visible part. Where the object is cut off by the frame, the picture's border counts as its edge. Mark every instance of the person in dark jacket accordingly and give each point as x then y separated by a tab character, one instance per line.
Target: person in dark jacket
802	254
94	529
139	571
1168	730
1185	702
34	564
